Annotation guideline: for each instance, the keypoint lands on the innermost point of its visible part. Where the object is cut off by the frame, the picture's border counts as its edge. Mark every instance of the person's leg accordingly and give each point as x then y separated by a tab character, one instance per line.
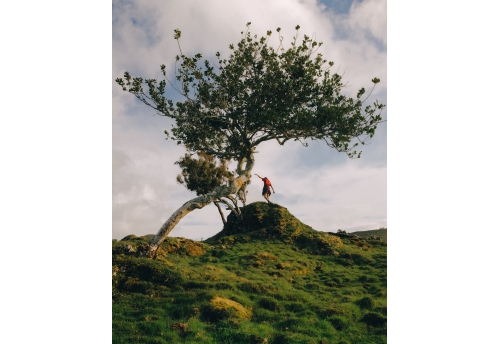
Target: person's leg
267	196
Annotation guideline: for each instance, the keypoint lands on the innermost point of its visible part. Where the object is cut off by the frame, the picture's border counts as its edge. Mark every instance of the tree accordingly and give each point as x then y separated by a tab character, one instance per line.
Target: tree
204	174
259	93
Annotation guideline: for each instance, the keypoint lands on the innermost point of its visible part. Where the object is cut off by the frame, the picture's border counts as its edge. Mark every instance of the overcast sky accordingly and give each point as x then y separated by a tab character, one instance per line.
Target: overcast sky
321	187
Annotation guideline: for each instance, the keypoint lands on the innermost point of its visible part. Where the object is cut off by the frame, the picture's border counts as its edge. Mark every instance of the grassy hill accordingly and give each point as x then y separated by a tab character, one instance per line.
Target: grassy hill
381	233
266	279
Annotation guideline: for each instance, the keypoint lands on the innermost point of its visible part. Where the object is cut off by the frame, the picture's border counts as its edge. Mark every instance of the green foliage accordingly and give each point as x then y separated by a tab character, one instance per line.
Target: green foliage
170	299
204	174
259	93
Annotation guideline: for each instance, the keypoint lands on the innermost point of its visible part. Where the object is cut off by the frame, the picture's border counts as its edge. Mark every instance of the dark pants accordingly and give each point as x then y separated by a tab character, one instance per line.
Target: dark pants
266	190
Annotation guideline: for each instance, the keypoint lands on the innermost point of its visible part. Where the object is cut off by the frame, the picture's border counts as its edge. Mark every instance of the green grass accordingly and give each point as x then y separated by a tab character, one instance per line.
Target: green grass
381	233
291	283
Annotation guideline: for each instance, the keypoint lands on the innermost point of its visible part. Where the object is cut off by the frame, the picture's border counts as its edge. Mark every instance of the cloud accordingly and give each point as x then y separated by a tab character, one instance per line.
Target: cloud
321	187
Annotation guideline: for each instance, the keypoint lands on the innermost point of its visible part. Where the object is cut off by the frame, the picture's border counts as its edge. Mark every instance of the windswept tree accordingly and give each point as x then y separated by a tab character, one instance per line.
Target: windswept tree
204	174
259	93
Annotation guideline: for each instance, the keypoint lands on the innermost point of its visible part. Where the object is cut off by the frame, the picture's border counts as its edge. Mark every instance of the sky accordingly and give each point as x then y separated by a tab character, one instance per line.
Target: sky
321	187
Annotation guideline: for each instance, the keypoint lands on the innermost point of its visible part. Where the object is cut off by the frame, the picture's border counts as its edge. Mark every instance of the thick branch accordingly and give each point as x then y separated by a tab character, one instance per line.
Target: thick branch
221	213
229	206
199	202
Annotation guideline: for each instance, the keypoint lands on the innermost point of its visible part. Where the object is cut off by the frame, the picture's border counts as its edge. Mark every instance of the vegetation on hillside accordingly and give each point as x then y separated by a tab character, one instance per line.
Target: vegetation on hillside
375	233
266	278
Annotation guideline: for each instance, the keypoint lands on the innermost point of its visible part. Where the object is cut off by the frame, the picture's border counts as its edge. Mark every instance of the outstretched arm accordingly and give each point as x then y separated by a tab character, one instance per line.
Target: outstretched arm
272	188
258	176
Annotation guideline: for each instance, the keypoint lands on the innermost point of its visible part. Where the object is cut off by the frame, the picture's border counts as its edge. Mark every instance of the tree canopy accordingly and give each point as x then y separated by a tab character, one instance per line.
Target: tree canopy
259	93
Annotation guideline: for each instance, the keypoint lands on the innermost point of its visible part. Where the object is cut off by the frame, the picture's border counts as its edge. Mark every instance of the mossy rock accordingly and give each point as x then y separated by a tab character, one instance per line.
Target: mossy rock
183	246
264	220
221	308
261	220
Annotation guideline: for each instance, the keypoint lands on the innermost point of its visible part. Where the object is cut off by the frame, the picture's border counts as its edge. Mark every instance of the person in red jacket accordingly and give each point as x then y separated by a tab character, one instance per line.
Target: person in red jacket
266	191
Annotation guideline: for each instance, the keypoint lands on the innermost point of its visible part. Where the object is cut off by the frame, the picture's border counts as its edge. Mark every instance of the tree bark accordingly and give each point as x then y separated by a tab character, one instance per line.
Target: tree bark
244	175
236	210
221	213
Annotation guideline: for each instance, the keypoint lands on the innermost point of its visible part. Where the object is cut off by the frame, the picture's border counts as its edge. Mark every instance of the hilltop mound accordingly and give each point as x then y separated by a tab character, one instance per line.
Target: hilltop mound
261	220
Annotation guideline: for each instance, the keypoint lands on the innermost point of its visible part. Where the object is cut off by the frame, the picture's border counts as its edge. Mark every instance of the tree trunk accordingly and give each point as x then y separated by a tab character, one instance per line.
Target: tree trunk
199	202
221	213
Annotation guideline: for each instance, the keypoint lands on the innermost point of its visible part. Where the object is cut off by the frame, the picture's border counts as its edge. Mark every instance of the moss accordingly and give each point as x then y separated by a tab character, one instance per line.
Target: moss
221	308
262	220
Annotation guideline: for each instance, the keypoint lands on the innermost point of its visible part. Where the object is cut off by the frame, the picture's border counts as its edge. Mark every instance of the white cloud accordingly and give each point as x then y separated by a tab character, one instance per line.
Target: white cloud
316	184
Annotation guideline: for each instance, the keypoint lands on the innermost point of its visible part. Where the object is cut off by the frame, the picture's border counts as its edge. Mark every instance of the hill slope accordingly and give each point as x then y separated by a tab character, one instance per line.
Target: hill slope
266	279
381	233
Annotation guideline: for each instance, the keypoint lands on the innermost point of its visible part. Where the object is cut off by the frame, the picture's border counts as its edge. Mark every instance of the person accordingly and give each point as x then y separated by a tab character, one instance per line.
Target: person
266	191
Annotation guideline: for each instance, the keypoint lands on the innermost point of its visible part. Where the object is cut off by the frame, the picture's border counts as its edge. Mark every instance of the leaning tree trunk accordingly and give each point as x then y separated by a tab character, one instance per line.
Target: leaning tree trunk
199	202
221	213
